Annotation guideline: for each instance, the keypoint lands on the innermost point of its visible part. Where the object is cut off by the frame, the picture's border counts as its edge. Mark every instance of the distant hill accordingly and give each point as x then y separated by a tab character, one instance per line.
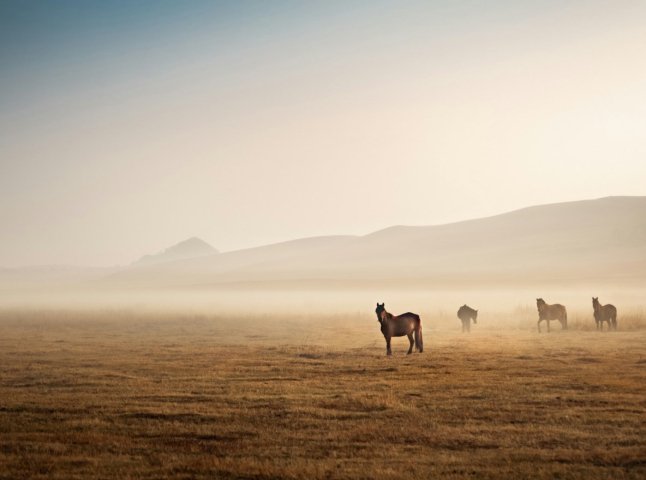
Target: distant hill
191	248
583	241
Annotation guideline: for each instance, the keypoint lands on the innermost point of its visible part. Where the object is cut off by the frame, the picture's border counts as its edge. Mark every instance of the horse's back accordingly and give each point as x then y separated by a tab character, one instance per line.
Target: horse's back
465	312
555	311
557	307
405	324
609	310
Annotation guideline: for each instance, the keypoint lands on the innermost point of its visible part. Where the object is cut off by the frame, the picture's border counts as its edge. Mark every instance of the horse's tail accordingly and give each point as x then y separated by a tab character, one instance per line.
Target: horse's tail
419	342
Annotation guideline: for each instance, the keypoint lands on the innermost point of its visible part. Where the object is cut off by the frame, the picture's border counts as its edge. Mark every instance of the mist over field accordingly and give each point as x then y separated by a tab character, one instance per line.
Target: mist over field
566	253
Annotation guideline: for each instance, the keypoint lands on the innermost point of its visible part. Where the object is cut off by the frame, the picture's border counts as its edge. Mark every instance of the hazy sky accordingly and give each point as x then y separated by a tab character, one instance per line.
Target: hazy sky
128	126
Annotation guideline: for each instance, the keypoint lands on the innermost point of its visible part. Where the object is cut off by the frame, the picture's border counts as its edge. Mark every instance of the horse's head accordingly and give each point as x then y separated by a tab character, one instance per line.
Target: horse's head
595	302
540	303
380	308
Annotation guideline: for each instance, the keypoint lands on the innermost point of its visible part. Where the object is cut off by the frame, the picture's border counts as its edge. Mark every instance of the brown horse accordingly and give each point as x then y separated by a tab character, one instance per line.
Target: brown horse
551	312
604	313
408	324
466	314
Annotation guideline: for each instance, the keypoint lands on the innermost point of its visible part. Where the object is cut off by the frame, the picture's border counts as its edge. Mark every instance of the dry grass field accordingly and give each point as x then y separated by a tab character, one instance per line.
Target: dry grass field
119	394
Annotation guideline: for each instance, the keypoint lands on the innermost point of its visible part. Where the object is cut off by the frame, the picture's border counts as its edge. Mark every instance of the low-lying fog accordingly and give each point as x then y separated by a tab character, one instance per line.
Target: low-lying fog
497	306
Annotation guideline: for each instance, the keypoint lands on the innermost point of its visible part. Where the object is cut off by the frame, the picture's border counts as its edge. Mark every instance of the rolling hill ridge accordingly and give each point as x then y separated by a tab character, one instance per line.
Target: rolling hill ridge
573	241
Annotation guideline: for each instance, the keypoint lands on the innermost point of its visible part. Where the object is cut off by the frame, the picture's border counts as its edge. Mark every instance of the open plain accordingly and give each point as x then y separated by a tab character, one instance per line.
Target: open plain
121	394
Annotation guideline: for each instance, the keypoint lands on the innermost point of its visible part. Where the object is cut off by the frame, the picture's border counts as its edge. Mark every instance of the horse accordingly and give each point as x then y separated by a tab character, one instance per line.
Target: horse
604	313
466	314
408	324
551	312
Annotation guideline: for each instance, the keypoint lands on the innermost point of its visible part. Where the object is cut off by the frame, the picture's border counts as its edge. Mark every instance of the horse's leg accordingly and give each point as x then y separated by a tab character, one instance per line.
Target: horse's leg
468	325
412	342
538	324
388	350
548	325
462	325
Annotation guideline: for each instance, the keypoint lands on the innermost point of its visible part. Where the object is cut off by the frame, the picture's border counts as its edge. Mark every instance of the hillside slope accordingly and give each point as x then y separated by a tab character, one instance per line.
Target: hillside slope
574	241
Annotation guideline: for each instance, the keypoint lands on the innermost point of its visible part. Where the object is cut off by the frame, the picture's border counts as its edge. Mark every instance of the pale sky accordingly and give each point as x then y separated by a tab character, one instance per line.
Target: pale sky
126	127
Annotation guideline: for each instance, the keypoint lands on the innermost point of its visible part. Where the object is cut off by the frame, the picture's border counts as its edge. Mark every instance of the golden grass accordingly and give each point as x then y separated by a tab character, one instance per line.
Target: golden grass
117	394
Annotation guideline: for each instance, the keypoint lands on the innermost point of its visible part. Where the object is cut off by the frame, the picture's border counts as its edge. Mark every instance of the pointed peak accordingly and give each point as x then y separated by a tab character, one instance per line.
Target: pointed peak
190	248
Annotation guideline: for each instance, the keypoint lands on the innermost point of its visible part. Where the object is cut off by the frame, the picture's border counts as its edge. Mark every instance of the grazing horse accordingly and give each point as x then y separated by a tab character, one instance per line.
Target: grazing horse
408	324
466	314
604	313
551	312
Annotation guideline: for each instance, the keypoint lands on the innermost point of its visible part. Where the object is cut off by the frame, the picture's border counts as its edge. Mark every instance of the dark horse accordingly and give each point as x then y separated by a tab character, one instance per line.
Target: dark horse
551	312
604	313
408	324
466	314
